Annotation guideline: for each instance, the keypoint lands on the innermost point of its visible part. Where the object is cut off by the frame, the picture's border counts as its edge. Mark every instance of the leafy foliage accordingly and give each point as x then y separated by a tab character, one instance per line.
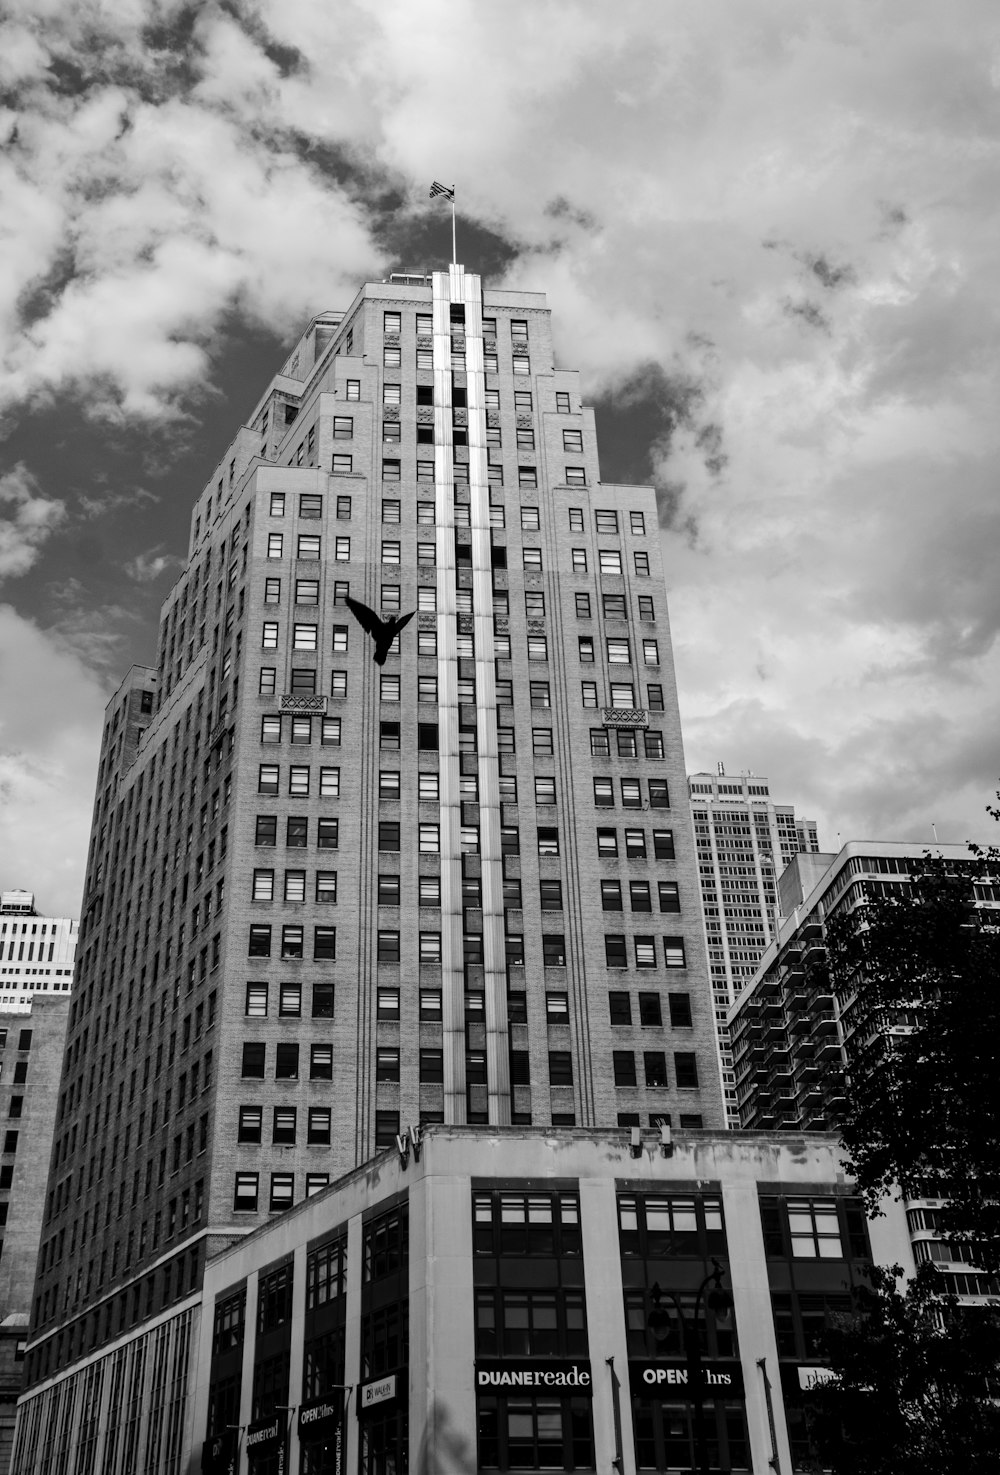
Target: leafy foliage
917	972
914	1379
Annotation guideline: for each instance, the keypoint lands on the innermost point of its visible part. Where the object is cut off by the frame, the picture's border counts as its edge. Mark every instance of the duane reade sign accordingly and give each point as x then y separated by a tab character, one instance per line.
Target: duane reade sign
571	1377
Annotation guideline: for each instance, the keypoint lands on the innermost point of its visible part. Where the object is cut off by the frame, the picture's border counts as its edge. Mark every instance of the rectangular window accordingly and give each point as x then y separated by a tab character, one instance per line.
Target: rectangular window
588	698
637	523
622	695
618	652
292	942
286	1066
579	557
615	955
659	796
539	695
272	591
635	844
392	357
673	950
270	729
321	1062
267	681
388	946
575	476
329	783
645	952
639	896
277	502
663	844
326	834
318	1132
263	885
325	943
269	635
429	839
624	1067
253	1060
604	794
620	1007
606	519
283	1126
251	1122
430	947
572	439
527	478
669	896
275	544
260	941
310	505
282	1192
297	831
611	896
653	744
343	427
245	1193
641	561
532	560
610	561
308	547
646	611
304	637
322	1001
538	648
290	1000
303	680
655	1065
266	830
387	1063
631	796
353	389
298	780
256	1004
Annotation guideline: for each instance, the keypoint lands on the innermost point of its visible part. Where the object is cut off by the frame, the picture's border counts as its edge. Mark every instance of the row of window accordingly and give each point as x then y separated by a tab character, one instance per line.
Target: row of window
246	1194
299	729
392	395
299	780
615	606
293	942
311	506
303	681
309	549
616	951
284	1125
325	886
286	1062
392	322
392	358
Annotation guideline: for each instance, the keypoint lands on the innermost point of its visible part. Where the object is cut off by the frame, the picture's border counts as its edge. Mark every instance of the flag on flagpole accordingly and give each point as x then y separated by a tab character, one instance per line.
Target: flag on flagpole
442	189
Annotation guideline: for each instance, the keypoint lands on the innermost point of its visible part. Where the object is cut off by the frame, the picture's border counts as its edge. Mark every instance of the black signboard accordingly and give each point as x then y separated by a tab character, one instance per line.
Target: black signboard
667	1378
554	1375
321	1422
265	1439
221	1455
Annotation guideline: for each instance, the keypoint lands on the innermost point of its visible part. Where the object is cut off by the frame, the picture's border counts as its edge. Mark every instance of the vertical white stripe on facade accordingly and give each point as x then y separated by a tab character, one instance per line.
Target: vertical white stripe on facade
490	856
452	960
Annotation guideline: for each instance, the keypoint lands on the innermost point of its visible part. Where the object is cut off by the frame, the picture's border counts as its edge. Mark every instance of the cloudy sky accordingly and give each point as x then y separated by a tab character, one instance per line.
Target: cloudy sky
768	232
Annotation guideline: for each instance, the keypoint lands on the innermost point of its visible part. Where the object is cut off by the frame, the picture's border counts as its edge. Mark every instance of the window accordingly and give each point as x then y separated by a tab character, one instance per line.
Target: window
426	598
325	943
650	1017
641	565
615	955
353	389
645	952
606	520
282	1191
388	947
304	637
539	694
427	689
303	680
653	744
551	897
253	1060
277	504
545	789
283	1125
387	1063
631	796
251	1122
321	1062
429	891
673	949
623	1062
637	523
286	1065
266	684
548	841
270	729
326	834
275	544
269	635
389	687
585	646
388	835
814	1229
245	1193
292	942
392	357
639	898
308	547
615	607
527	478
622	695
659	796
322	1001
429	838
272	591
651	652
610	561
680	1011
256	1005
290	1000
579	557
318	1130
266	830
618	652
430	1005
560	1068
428	787
263	885
604	795
575	476
588	698
686	1071
625	737
310	505
298	780
538	648
635	844
532	560
388	891
655	1067
611	895
572	439
663	844
297	831
301	730
260	942
669	896
646	607
620	1007
607	843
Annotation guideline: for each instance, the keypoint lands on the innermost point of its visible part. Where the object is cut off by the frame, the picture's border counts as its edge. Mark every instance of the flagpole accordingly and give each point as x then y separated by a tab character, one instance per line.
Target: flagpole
454	249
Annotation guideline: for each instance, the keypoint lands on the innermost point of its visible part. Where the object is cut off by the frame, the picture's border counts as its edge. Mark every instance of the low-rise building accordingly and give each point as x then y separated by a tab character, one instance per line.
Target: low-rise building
36	952
520	1299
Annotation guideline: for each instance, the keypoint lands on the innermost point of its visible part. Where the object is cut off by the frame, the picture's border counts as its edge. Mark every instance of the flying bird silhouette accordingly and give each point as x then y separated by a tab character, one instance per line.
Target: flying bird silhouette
383	632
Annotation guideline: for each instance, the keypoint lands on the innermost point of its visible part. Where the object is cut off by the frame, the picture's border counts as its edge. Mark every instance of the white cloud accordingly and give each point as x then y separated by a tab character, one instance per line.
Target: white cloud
789	210
51	710
27	519
146	567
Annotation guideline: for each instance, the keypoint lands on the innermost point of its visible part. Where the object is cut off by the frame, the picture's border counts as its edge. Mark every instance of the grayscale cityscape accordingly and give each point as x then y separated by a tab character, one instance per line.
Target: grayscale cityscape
411	1062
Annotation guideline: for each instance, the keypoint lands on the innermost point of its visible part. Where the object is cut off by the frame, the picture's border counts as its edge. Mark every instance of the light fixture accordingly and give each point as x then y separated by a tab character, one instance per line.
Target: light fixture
635	1145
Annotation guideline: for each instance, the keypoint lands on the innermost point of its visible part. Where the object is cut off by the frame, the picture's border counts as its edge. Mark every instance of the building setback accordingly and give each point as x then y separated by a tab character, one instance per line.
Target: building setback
791	1031
328	899
448	1309
36	952
744	841
32	1039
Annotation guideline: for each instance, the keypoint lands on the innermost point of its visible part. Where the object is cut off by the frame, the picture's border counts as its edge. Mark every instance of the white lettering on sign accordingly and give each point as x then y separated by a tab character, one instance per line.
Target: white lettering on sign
574	1377
261	1436
679	1377
378	1392
815	1377
321	1411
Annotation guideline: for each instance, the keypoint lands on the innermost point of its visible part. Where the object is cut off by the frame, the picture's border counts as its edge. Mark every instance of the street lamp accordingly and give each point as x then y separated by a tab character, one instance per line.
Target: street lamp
720	1303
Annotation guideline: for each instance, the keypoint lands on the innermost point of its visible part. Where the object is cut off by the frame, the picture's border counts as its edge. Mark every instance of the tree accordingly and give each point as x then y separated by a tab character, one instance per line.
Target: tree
917	973
914	1387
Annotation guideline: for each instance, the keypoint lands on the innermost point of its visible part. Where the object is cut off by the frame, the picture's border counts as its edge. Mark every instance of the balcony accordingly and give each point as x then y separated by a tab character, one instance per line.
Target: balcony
302	701
624	717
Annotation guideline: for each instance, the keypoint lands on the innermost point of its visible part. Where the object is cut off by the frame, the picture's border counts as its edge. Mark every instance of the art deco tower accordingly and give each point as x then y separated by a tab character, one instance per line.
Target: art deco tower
328	899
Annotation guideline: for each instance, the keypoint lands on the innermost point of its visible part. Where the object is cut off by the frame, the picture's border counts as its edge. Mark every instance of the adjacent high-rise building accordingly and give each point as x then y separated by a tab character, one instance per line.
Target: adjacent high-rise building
791	1031
36	952
744	841
356	869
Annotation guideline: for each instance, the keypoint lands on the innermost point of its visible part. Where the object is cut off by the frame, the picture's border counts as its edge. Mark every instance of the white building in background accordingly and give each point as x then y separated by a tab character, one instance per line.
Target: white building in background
36	952
744	842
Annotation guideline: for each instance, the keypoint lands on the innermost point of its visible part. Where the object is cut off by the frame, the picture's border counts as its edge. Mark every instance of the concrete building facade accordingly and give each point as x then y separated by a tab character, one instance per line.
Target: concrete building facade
499	1300
328	898
32	1040
744	841
36	952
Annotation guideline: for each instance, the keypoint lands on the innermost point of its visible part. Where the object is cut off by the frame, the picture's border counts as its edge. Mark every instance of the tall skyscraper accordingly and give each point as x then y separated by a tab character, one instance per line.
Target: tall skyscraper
329	897
744	842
